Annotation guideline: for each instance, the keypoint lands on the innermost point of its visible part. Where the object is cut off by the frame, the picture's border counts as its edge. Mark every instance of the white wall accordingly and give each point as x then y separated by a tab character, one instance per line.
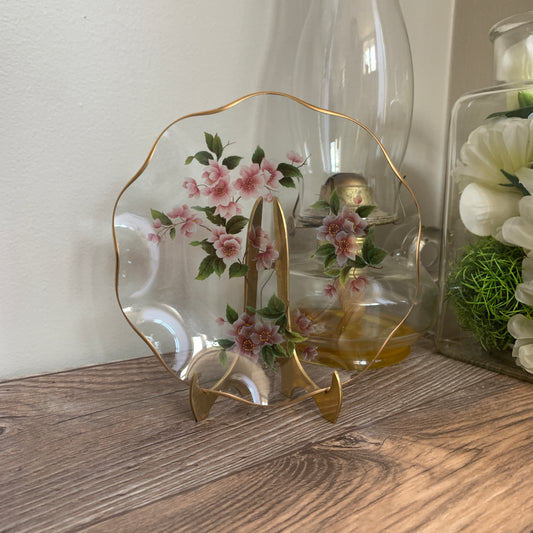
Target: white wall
86	88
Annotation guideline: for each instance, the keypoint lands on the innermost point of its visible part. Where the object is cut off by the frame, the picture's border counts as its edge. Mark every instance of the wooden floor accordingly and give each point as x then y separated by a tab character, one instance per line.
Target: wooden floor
431	444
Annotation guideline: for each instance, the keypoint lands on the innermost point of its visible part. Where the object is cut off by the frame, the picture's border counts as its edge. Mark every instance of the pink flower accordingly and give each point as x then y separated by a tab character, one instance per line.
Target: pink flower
152	237
266	334
220	192
227	211
190	225
220	321
243	322
270	173
265	258
345	246
295	158
330	291
250	182
228	247
214	171
216	233
246	346
309	354
358	224
357	199
157	223
303	323
358	284
331	225
258	237
178	211
269	197
192	188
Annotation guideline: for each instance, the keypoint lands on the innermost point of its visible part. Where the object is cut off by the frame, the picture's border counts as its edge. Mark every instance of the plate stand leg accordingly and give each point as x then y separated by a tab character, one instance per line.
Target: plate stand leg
201	400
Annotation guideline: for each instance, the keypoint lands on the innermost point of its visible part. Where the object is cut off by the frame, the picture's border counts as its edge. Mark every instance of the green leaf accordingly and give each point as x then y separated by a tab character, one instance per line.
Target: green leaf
217	146
223	357
196	243
219	266
203	157
161	216
376	256
365	210
290	348
210	215
522	112
287	182
225	343
358	263
208	247
232	161
231	314
207	267
289	171
332	272
368	245
276	304
238	270
330	260
172	233
321	204
325	250
209	141
258	155
282	322
334	202
235	224
280	351
189	160
269	356
514	182
294	336
345	272
525	98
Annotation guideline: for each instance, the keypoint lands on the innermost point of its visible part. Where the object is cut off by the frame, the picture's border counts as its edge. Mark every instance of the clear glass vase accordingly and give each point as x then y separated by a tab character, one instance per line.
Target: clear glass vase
354	58
485	309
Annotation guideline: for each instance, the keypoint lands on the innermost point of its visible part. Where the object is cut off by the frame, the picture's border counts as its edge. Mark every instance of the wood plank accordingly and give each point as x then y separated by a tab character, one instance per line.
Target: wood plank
461	463
84	446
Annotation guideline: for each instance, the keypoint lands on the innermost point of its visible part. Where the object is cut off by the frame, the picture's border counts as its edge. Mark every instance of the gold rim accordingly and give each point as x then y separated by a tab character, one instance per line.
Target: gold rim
319	110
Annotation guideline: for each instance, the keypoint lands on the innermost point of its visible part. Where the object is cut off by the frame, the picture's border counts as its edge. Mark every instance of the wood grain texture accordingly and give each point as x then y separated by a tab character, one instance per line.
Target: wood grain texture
428	443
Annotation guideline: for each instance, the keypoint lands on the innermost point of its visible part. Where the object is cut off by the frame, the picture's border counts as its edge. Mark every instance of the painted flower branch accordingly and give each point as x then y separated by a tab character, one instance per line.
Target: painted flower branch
260	333
224	194
341	234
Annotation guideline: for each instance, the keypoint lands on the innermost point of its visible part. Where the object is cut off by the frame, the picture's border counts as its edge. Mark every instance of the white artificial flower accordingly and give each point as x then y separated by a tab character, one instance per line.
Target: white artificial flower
521	328
518	230
500	144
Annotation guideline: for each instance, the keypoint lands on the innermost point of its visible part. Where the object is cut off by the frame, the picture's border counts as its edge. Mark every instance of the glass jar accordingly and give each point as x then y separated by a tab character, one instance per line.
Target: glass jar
485	309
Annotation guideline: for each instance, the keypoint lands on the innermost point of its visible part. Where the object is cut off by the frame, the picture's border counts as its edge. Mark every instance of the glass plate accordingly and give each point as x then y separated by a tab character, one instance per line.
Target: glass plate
200	236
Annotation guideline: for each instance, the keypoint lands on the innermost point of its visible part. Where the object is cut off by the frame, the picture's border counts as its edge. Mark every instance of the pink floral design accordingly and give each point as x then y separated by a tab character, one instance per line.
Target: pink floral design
358	284
216	233
157	223
266	258
220	321
359	226
345	246
219	193
303	323
266	333
331	225
251	181
271	174
297	159
309	354
244	321
330	290
258	237
214	171
192	187
152	237
246	346
228	248
179	211
190	225
227	211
